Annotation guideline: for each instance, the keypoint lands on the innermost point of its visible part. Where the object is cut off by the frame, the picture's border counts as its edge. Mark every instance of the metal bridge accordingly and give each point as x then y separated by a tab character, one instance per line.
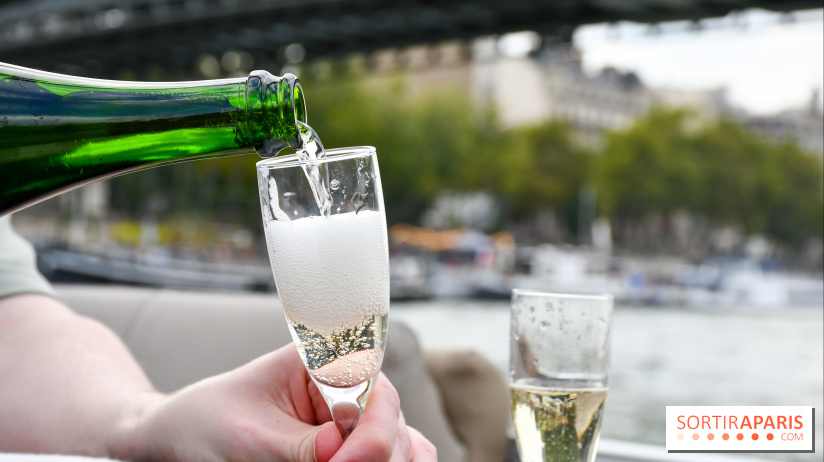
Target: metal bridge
174	33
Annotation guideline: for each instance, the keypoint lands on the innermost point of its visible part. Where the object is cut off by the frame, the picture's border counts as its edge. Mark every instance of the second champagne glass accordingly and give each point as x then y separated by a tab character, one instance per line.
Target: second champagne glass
326	234
559	370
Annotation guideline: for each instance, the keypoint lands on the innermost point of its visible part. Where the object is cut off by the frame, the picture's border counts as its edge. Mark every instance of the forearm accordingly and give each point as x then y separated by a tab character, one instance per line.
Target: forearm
68	384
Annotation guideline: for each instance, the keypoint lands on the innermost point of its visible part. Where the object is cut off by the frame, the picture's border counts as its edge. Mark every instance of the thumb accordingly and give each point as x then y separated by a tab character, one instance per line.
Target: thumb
327	442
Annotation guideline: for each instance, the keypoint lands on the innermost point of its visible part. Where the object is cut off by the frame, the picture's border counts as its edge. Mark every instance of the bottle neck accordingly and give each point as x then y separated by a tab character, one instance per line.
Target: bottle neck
273	107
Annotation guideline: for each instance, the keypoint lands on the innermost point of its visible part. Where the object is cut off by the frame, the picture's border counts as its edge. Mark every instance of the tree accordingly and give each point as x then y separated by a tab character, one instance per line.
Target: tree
648	168
670	160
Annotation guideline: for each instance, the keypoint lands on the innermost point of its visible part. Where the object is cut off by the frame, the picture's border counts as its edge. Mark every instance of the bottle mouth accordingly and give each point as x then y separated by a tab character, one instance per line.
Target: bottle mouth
275	105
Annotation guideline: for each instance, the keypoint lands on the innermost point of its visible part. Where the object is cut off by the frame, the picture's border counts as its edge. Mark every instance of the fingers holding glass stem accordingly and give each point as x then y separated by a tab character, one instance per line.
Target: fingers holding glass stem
346	404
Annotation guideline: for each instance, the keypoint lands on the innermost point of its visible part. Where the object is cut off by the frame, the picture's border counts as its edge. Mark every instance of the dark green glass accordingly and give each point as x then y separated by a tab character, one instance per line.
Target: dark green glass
59	132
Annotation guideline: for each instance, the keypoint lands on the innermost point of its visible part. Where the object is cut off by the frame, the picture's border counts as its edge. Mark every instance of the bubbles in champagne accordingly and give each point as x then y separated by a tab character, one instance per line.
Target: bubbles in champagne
557	424
332	278
306	251
346	358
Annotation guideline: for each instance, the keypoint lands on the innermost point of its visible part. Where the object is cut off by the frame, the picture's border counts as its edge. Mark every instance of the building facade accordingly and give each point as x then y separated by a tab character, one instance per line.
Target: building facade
551	84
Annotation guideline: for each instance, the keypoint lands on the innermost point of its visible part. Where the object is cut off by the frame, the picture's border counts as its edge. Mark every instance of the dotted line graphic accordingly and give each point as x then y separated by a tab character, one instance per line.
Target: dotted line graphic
726	436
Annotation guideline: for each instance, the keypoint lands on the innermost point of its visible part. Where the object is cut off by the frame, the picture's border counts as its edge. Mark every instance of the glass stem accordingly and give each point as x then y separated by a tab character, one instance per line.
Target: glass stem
346	404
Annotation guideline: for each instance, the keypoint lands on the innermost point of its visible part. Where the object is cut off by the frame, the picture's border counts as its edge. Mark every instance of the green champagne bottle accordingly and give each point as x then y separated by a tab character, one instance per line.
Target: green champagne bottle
59	132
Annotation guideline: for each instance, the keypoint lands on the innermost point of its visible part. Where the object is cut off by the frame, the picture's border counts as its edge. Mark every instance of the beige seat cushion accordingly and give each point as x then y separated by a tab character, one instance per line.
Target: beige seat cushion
476	401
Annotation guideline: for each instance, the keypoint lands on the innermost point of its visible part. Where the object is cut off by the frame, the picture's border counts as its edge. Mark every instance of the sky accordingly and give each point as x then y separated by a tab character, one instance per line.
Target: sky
766	61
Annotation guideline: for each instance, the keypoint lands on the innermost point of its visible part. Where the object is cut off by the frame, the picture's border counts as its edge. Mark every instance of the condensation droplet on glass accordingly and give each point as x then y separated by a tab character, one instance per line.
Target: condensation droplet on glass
531	309
289	195
583	313
358	201
542	325
360	165
295	212
334	184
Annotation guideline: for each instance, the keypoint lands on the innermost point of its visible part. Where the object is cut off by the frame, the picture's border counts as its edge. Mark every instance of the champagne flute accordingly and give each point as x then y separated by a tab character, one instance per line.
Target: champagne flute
326	234
559	359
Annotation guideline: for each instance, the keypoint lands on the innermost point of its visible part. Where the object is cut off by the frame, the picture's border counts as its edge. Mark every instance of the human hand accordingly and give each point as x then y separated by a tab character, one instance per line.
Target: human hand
267	410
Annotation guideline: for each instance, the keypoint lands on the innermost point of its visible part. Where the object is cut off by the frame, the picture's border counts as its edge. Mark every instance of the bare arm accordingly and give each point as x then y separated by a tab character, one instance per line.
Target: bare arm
66	380
70	386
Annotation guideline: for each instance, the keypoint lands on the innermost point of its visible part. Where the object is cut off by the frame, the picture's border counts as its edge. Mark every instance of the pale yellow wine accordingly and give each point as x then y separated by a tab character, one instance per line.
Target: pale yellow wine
557	425
345	358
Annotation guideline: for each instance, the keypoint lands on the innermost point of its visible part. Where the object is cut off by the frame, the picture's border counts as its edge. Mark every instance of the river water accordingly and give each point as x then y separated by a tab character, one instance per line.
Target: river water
665	356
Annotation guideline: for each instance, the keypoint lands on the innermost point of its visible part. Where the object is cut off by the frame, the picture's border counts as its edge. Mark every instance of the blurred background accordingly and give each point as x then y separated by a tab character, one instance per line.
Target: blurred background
666	151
